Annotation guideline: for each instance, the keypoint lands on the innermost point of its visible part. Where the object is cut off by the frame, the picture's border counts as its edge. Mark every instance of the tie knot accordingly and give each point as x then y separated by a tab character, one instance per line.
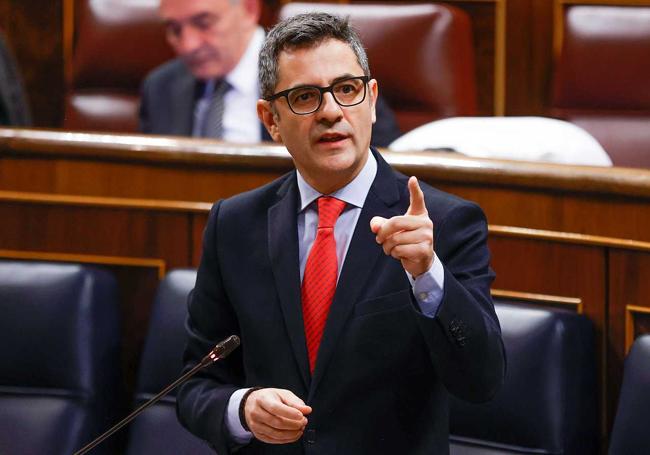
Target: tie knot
329	209
220	88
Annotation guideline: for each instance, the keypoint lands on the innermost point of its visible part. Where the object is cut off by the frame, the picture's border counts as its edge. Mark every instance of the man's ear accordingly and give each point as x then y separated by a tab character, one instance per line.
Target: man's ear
253	8
373	87
269	119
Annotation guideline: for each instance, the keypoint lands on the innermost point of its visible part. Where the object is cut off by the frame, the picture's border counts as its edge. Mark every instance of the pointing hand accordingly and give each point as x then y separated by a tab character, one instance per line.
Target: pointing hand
409	237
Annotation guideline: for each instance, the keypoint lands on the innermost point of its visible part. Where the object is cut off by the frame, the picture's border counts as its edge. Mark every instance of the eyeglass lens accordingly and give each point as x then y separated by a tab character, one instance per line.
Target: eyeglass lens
308	99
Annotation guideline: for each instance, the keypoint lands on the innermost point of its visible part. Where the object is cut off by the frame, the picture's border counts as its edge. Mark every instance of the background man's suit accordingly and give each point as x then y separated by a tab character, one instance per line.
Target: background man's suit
14	109
384	370
169	94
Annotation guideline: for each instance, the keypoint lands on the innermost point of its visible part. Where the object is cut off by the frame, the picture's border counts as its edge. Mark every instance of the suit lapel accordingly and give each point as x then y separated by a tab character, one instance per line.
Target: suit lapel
362	254
183	107
283	252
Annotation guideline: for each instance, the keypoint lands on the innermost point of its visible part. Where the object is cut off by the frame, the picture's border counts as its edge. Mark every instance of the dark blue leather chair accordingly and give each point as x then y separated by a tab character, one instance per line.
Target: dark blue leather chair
631	434
547	404
157	431
59	356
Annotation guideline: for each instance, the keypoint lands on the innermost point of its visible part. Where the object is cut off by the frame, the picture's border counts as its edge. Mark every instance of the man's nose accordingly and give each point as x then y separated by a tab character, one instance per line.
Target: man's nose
329	110
188	40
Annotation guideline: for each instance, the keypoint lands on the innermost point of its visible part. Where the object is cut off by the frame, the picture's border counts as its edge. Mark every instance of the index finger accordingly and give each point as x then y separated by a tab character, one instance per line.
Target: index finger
416	197
280	409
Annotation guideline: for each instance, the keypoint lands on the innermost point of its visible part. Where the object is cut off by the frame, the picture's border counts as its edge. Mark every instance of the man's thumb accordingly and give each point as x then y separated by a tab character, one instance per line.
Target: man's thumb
376	223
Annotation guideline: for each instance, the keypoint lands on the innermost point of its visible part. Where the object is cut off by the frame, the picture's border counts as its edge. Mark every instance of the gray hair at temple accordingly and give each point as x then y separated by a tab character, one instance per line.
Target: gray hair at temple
304	31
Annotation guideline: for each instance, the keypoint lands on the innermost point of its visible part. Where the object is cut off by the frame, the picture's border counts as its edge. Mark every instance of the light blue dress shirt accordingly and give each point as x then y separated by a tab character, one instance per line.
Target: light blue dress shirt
427	288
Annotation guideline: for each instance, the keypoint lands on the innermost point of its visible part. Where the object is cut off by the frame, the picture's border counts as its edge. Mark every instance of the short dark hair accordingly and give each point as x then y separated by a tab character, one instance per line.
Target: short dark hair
305	30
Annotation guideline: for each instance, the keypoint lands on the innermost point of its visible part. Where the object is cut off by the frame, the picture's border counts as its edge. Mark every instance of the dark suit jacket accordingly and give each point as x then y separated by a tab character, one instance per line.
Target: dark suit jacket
384	370
13	103
169	94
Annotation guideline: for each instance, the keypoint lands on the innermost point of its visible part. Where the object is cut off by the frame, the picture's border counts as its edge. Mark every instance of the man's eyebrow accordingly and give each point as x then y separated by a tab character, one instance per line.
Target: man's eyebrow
202	16
195	18
333	81
345	76
301	86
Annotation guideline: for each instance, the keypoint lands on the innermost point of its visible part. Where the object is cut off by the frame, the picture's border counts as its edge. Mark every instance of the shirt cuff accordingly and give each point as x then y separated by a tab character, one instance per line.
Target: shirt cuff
237	433
428	288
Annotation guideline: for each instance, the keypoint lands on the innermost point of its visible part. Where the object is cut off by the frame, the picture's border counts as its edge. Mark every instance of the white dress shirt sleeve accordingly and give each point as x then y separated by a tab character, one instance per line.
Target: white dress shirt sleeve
428	288
237	432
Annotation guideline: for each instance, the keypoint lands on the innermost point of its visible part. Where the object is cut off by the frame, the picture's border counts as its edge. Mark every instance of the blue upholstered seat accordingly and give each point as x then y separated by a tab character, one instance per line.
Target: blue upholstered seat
59	356
548	403
157	431
631	435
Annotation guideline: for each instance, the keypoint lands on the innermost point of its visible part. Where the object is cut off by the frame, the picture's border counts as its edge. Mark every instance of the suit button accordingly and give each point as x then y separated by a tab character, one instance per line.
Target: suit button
310	436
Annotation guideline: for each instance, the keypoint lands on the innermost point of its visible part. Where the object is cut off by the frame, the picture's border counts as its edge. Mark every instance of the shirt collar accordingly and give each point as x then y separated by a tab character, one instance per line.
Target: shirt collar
243	77
354	193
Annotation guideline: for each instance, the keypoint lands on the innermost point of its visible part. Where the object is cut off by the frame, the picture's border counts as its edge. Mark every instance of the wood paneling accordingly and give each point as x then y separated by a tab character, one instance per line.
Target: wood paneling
546	300
49	226
610	202
69	176
614	216
489	52
529	56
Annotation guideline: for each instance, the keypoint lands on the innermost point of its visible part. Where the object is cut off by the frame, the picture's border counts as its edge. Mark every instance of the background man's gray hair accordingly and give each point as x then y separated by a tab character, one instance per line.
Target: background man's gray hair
304	30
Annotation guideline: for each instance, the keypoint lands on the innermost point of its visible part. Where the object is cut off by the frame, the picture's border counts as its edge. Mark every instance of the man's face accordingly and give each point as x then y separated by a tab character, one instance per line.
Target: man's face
330	146
209	35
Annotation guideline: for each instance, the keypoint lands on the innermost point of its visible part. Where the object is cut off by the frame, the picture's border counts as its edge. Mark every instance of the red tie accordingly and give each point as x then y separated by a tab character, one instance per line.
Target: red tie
319	280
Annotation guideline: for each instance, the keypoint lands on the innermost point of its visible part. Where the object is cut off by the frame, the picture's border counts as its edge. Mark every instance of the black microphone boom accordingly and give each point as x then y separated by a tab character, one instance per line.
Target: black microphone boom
220	351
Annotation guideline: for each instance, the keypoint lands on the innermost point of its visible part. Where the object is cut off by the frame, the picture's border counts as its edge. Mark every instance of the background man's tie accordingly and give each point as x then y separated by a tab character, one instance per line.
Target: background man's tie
213	125
319	280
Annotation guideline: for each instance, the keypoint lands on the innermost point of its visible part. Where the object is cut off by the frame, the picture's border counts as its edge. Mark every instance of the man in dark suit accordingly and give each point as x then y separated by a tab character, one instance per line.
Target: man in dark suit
356	320
216	40
14	110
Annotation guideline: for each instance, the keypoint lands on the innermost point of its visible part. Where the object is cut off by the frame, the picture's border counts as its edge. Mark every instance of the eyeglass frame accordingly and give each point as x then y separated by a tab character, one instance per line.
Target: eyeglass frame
322	91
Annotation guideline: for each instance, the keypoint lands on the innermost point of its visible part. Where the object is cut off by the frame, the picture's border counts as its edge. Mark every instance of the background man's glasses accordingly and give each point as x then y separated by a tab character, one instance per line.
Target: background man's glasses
307	99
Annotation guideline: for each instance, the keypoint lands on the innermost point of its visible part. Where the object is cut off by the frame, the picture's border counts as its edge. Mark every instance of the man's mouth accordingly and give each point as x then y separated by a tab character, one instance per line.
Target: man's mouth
195	61
332	137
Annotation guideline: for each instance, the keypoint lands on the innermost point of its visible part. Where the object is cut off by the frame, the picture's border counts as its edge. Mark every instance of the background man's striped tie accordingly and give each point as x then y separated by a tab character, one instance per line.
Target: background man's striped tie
213	125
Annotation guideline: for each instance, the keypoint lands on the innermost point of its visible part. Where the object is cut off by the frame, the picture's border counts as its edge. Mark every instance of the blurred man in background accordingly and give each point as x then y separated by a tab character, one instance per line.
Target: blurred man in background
211	89
14	110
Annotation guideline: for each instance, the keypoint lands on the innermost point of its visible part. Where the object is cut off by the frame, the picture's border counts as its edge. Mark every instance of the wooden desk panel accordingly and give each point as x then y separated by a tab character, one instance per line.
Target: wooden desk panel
587	200
68	228
608	215
132	179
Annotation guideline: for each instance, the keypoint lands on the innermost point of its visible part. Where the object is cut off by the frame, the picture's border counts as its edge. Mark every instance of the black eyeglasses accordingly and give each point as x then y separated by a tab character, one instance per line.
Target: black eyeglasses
308	98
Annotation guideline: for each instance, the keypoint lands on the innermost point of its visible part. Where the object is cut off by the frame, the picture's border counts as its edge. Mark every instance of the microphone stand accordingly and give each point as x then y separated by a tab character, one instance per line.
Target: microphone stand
220	351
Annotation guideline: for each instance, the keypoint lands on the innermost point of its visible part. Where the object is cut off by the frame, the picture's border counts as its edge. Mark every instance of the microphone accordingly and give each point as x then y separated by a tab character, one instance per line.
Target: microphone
220	351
